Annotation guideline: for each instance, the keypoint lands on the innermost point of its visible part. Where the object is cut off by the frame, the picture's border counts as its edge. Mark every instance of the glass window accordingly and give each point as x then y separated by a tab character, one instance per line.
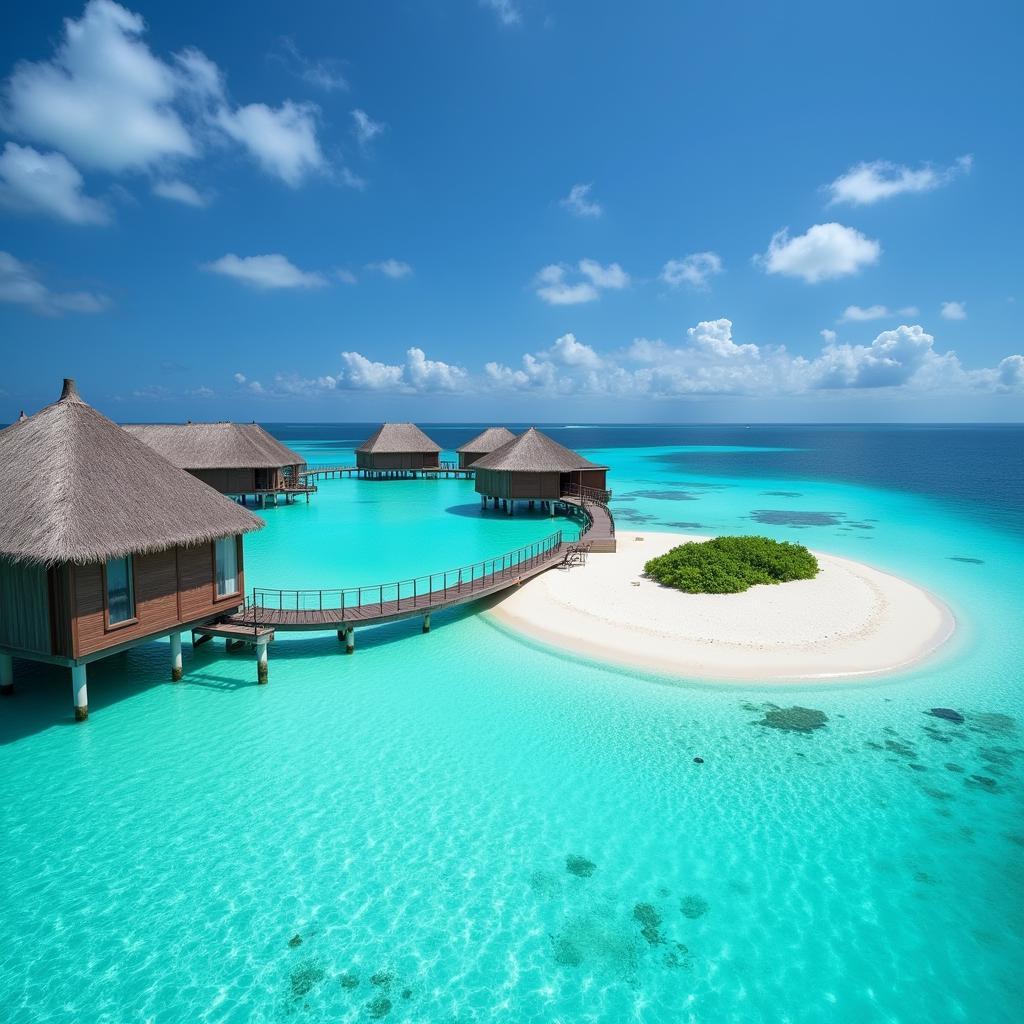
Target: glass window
120	592
226	558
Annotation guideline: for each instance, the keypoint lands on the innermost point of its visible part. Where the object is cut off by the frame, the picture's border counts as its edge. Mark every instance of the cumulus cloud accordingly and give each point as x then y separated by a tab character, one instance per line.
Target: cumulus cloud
417	374
954	311
395	269
180	192
507	11
578	202
21	286
365	128
873	181
46	183
823	252
108	102
696	270
713	362
265	272
554	283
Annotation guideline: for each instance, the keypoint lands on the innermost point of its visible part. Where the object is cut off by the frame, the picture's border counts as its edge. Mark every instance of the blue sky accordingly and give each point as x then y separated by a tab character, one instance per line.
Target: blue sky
513	210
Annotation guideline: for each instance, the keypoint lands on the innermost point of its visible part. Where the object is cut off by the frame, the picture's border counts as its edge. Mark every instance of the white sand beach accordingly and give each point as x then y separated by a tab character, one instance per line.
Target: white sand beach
850	621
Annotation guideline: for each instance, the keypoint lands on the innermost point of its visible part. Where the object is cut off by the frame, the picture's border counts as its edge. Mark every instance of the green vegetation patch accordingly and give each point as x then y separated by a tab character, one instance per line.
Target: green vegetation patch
729	565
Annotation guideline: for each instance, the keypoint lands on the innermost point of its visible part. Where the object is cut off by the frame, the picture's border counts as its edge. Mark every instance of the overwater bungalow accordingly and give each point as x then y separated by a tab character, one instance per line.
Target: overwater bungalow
397	449
240	459
104	544
534	467
483	444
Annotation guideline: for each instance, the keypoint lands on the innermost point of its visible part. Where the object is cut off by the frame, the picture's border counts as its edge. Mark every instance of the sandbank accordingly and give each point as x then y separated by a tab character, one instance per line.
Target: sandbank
851	621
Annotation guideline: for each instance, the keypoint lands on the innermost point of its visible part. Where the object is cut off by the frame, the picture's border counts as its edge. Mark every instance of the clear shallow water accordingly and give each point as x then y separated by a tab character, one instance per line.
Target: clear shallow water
408	812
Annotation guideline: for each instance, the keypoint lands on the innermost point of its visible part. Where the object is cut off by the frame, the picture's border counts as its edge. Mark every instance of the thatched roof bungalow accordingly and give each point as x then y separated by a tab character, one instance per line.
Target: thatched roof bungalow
483	444
533	466
104	544
396	449
233	458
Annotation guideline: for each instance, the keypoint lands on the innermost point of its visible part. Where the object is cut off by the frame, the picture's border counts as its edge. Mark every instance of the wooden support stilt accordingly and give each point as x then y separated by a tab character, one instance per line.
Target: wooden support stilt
176	663
426	623
6	675
203	638
262	673
79	692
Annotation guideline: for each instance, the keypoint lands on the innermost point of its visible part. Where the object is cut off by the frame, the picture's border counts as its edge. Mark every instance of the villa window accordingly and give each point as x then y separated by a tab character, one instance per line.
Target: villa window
225	551
120	591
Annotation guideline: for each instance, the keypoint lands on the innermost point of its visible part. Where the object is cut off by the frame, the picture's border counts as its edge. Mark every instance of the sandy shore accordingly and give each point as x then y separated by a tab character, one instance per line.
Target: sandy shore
850	621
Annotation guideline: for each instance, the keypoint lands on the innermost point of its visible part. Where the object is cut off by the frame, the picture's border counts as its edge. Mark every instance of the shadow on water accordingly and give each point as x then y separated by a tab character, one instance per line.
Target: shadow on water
42	696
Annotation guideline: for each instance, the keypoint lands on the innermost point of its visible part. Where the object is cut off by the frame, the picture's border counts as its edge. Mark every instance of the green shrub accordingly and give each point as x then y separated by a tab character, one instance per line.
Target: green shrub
728	565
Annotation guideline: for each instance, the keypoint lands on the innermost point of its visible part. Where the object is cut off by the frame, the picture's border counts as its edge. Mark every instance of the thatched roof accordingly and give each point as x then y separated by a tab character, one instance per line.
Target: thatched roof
215	445
487	440
534	452
398	437
75	487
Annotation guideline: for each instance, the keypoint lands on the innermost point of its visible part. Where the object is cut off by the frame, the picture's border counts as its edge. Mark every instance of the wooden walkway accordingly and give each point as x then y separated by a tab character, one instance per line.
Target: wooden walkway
343	609
448	470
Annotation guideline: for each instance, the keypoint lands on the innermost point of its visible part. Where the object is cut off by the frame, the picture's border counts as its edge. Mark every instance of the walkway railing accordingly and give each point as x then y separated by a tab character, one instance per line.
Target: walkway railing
418	592
598	494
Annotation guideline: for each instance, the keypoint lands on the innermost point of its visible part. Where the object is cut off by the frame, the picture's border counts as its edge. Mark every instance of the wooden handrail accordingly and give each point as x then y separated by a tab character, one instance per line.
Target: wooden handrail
418	590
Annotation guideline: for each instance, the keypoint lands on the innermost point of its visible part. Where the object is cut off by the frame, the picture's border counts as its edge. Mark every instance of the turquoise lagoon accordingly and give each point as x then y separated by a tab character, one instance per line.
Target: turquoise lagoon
467	826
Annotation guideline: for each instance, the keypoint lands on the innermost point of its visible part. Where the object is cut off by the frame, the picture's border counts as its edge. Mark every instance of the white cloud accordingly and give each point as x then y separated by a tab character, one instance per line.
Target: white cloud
578	201
46	183
860	314
345	276
823	252
103	99
282	140
418	374
879	179
364	373
365	128
324	73
425	374
714	337
180	192
252	385
694	270
713	363
200	392
612	276
507	11
553	286
265	272
20	286
392	268
107	102
954	311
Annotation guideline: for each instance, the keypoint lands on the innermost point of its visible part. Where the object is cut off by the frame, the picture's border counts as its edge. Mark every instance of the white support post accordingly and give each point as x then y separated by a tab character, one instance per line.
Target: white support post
6	675
426	623
176	664
81	694
262	673
350	640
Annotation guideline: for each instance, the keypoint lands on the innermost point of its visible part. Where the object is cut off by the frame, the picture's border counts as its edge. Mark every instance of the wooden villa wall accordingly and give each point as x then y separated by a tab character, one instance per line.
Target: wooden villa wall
228	481
588	478
24	607
466	459
397	460
171	588
499	483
